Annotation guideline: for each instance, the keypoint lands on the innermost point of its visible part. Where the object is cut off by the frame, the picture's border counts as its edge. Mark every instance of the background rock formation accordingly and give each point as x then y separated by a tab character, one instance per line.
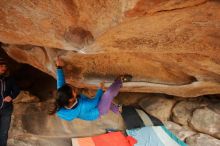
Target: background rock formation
32	125
169	46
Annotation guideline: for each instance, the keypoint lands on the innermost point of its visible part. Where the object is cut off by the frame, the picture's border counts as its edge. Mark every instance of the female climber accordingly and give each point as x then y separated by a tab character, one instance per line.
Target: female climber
70	104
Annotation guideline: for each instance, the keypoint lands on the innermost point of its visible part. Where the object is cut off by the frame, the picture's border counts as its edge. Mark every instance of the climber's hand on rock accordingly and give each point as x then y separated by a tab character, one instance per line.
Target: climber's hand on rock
102	84
59	62
7	99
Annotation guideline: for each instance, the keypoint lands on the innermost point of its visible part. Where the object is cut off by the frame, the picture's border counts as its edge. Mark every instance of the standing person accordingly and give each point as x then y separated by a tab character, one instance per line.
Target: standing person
8	92
70	104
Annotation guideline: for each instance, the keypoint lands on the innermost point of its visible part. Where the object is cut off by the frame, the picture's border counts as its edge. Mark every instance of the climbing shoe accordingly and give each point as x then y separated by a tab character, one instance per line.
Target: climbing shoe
126	78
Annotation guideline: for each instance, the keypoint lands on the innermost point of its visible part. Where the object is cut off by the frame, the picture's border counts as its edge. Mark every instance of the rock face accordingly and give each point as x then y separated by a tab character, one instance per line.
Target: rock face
202	140
159	106
59	24
180	132
30	140
182	112
25	97
32	126
169	46
33	119
206	121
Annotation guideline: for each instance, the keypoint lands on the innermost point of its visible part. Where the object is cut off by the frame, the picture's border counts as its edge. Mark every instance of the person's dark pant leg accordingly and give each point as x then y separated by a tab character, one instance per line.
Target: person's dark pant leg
5	120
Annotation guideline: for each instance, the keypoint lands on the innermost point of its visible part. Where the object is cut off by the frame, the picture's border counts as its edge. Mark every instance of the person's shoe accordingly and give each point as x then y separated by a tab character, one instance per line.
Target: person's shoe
126	78
116	108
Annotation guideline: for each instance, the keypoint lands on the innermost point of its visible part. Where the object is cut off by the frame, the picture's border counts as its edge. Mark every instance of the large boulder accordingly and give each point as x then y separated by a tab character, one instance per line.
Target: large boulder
181	132
34	140
32	125
32	118
206	121
68	24
182	111
202	140
168	46
25	97
159	106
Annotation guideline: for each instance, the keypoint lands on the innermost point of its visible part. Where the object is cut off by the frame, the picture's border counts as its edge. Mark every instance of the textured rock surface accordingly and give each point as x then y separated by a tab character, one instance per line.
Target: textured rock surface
181	132
25	97
31	140
32	118
32	126
169	46
158	105
207	121
182	111
202	140
67	24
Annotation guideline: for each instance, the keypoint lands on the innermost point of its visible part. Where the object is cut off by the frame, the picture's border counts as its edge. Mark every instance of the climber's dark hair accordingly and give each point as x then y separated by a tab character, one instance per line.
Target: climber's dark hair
63	95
